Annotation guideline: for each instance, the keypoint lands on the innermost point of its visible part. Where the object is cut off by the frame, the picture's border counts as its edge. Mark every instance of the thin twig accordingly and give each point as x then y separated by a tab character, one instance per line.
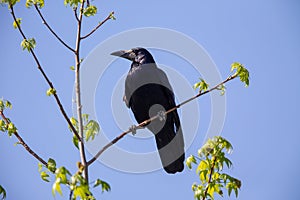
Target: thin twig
23	143
78	94
144	123
46	78
71	195
209	178
99	25
51	30
75	13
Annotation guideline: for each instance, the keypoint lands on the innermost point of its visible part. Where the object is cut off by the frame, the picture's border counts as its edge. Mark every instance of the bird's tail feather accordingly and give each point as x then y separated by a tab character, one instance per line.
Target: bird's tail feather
171	149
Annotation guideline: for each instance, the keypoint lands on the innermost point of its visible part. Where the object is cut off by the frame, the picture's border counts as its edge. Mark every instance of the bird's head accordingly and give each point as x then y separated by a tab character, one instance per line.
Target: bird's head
136	55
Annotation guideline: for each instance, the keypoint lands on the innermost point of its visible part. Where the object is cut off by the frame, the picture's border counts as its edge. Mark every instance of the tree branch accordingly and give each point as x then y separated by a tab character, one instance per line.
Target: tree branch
51	30
99	25
46	78
75	13
209	178
23	143
78	94
144	123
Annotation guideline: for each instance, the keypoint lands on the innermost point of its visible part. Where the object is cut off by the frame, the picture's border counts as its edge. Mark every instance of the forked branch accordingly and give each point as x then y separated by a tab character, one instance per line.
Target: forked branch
51	30
46	78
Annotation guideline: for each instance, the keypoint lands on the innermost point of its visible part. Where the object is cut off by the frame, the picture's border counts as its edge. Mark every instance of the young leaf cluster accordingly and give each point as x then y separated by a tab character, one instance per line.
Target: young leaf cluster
6	126
17	23
202	85
112	16
211	162
90	128
241	72
51	91
10	3
4	104
72	3
90	11
28	44
39	3
76	182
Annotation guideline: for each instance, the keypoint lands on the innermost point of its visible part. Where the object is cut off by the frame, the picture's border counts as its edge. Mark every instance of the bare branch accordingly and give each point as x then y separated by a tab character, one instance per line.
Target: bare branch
46	78
144	123
78	93
99	25
23	143
51	30
75	13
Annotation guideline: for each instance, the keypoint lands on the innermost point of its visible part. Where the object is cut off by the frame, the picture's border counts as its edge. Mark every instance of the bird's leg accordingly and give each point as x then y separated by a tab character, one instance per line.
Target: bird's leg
161	115
133	129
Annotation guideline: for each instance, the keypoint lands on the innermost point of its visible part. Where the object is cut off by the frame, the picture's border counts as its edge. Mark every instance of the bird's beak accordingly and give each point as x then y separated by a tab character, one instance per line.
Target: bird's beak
128	54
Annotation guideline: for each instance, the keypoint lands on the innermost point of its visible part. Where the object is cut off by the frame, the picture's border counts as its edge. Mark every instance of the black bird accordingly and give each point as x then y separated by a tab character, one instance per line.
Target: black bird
148	92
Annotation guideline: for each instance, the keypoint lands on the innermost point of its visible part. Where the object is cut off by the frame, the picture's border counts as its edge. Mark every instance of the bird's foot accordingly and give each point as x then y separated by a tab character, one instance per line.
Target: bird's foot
133	129
161	115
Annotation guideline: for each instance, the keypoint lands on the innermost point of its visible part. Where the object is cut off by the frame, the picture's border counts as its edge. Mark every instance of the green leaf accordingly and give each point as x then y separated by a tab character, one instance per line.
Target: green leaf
28	44
82	191
17	23
5	104
202	85
2	193
1	105
203	165
112	16
73	121
2	125
72	68
56	187
39	3
8	104
44	176
51	91
91	130
90	11
11	129
72	3
40	167
61	174
75	141
235	65
228	162
51	165
241	72
104	185
191	159
10	3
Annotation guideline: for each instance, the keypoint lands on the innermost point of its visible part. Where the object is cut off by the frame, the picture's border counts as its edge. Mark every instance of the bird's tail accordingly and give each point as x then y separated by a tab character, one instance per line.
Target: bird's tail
171	148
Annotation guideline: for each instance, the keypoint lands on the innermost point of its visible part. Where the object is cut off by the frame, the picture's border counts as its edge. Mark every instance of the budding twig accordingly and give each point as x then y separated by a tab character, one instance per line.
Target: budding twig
98	26
46	77
23	143
78	93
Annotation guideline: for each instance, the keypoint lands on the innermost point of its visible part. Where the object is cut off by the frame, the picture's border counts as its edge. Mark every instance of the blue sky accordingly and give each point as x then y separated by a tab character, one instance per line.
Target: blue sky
261	121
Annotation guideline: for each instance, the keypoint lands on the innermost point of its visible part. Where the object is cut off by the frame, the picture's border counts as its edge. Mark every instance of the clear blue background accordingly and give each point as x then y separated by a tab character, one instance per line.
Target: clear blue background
262	121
